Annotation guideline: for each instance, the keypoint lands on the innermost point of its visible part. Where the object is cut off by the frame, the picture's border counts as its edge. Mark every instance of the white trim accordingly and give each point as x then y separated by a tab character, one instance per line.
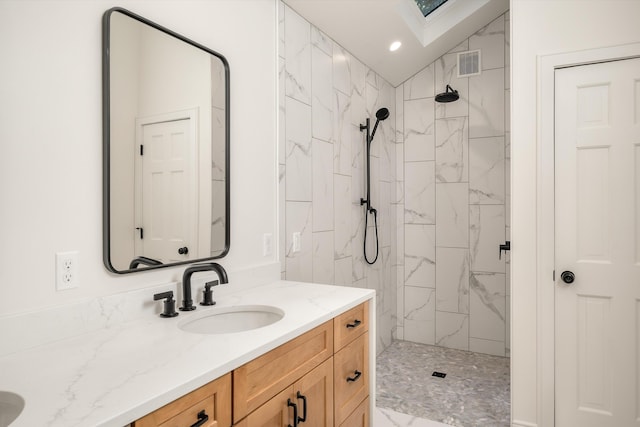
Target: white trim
547	65
523	424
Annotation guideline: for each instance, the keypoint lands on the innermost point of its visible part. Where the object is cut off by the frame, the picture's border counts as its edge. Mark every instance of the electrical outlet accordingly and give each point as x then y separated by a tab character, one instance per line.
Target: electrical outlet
66	270
296	242
267	244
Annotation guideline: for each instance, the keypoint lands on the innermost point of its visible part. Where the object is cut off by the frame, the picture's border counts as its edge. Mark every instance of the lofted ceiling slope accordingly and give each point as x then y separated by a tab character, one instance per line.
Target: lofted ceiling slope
366	28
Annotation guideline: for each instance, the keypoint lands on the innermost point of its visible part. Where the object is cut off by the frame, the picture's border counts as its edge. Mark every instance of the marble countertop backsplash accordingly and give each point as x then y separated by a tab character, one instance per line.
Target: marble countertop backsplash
111	366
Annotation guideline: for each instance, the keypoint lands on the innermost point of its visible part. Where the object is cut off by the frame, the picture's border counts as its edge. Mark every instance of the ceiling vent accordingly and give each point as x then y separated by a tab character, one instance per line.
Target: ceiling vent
469	63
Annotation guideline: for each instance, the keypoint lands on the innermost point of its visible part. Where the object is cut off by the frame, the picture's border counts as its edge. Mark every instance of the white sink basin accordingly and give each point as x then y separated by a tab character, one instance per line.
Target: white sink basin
231	319
11	405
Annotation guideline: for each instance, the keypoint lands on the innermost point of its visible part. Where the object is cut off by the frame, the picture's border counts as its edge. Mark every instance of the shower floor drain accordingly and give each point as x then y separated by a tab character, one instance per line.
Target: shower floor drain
438	374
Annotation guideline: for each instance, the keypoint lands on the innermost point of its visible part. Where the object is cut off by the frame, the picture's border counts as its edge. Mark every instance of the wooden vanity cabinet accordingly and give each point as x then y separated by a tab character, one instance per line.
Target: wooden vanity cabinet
324	373
351	365
328	367
211	401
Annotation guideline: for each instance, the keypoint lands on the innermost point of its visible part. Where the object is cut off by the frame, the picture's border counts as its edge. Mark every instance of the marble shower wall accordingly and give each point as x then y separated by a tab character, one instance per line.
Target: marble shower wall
452	204
325	94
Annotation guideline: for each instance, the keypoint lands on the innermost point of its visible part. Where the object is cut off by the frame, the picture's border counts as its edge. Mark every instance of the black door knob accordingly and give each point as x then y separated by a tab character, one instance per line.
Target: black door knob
183	251
568	277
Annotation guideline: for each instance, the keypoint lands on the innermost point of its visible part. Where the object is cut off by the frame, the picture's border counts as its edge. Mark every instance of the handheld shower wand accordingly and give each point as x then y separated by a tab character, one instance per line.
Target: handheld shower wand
381	114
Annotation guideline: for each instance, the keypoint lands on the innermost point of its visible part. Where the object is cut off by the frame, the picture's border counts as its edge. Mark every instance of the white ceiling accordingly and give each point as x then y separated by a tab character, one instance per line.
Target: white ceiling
366	28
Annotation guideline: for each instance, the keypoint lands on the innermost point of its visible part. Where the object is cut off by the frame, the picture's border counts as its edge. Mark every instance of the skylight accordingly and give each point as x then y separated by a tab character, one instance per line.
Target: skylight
428	6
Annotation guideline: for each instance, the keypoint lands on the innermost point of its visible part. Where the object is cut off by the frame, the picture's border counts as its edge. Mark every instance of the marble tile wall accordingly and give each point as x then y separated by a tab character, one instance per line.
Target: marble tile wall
452	201
325	94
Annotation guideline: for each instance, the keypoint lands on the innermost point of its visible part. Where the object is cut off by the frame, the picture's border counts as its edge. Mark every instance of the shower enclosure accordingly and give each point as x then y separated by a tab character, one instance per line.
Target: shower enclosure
453	279
452	254
439	184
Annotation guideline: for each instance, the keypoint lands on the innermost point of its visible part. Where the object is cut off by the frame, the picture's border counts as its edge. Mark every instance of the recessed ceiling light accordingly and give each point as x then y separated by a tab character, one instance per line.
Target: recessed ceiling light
395	46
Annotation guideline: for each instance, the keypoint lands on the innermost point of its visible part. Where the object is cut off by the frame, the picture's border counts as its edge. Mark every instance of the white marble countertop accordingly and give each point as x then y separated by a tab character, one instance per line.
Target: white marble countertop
119	373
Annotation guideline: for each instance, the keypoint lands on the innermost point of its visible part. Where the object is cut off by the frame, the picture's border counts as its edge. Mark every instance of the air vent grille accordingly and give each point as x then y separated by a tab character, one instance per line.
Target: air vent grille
469	63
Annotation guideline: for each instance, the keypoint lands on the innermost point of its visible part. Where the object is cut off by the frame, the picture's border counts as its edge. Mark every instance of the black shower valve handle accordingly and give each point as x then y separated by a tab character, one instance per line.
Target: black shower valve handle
505	247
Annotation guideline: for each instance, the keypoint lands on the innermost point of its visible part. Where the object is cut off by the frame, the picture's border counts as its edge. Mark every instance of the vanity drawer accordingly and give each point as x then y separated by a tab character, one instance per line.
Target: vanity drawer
259	380
350	324
359	417
214	399
351	377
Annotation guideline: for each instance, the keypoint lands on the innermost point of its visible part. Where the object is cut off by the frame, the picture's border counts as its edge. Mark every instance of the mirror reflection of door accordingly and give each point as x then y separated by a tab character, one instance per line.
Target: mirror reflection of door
166	208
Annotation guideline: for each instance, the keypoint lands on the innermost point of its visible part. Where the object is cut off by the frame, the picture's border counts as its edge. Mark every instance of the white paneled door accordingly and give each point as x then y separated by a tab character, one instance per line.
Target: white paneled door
168	191
597	239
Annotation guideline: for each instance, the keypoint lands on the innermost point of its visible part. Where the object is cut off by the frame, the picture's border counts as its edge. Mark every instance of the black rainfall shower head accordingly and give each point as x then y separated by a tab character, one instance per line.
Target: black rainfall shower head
382	114
449	95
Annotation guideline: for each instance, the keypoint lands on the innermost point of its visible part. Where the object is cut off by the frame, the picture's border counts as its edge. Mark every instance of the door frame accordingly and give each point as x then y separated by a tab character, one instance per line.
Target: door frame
191	115
545	222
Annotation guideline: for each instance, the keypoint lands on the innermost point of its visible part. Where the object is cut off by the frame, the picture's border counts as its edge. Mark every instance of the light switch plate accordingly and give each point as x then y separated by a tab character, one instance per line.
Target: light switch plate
296	242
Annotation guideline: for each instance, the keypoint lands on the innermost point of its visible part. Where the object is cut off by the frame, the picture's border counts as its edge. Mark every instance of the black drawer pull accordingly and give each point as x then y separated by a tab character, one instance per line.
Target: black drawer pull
354	324
295	412
202	418
357	375
303	418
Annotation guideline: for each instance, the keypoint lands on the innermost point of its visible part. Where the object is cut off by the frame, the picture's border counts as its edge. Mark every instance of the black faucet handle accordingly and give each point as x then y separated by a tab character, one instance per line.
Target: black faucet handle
207	293
169	304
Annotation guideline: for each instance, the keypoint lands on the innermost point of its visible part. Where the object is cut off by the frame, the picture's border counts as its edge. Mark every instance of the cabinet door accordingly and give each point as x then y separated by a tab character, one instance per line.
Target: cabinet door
351	377
359	417
212	401
276	412
314	396
350	325
260	379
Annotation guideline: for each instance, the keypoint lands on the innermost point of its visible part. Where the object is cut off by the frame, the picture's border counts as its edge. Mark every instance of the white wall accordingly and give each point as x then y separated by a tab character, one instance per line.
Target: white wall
51	138
540	28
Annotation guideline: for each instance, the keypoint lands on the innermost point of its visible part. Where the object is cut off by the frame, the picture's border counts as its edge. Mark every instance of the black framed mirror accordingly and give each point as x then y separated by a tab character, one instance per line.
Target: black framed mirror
165	147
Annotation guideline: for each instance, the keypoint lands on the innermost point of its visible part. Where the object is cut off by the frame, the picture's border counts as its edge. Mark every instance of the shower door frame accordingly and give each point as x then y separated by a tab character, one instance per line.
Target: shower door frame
545	215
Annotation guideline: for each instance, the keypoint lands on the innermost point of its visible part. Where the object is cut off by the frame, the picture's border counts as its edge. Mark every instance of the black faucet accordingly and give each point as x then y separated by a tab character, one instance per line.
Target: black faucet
187	302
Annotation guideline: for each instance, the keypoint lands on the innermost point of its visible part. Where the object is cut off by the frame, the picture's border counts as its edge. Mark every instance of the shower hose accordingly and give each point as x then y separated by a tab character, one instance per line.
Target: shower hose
375	219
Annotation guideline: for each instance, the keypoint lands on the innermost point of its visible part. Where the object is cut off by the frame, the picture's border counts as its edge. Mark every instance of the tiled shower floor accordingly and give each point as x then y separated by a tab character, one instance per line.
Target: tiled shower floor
475	392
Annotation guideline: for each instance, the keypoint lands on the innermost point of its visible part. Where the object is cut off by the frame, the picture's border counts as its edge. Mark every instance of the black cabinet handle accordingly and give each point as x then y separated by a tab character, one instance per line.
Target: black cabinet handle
354	324
295	412
355	377
202	418
303	418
